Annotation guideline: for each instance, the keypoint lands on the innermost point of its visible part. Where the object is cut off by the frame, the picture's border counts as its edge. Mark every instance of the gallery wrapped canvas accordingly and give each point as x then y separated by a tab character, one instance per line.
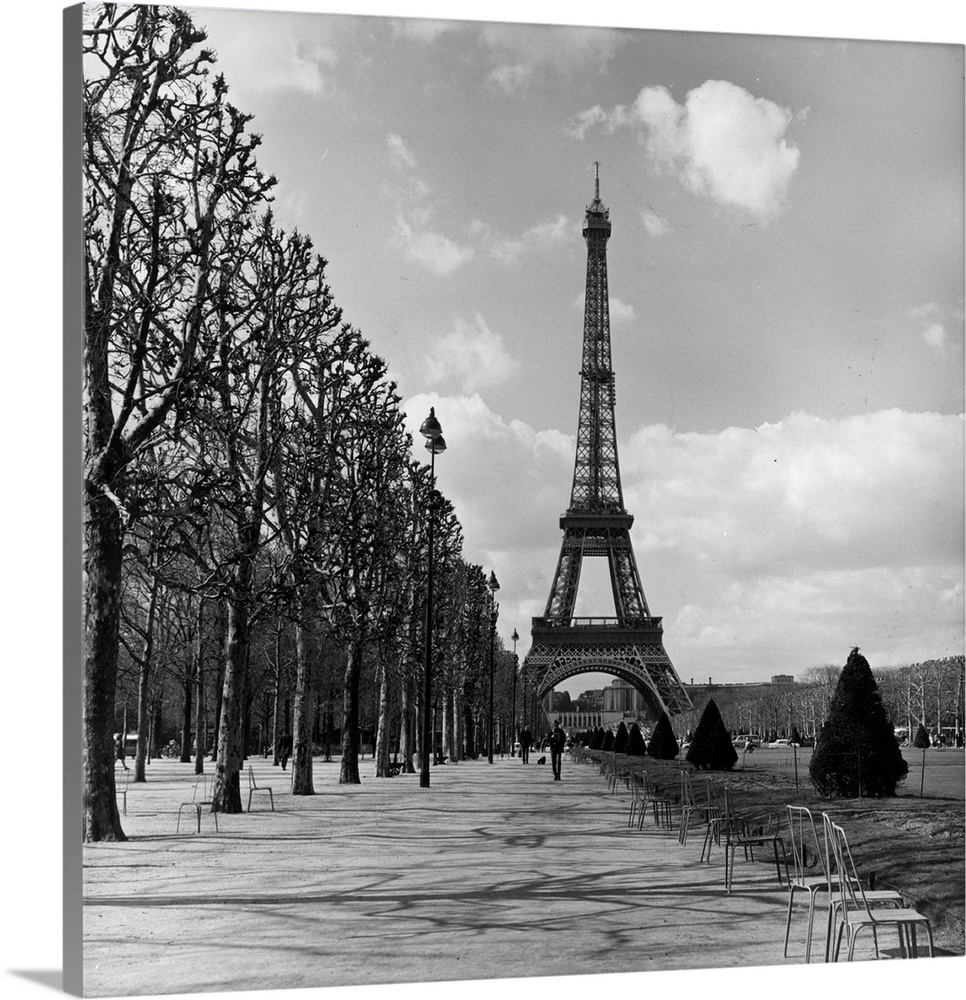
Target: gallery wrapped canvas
353	300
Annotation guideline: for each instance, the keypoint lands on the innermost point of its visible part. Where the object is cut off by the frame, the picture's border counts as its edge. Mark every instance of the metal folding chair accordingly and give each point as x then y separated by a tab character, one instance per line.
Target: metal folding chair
689	806
254	787
747	832
856	910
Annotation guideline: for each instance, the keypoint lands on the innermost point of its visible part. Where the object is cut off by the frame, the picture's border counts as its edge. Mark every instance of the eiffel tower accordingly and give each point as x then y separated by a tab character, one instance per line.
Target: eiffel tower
631	645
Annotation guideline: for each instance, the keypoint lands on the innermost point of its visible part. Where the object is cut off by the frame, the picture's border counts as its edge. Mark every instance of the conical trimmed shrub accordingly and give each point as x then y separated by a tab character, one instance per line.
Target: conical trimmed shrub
663	745
620	739
922	738
608	743
597	739
635	746
711	747
857	753
795	736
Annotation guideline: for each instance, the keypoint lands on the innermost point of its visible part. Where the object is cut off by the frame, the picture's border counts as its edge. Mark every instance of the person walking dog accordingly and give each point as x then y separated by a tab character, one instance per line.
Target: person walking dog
558	739
526	741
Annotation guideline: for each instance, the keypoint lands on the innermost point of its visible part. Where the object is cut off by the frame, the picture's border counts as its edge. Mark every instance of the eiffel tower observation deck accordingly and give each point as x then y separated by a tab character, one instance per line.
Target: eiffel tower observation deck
630	644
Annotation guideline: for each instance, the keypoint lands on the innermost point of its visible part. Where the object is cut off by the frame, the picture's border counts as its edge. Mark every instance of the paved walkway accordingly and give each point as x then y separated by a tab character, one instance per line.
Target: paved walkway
494	871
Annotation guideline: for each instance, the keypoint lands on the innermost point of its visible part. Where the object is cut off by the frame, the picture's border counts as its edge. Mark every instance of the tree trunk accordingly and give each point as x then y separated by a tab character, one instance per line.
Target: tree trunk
406	726
227	791
349	773
328	727
277	694
468	728
382	737
200	691
144	678
449	726
189	683
304	702
458	725
141	753
219	699
103	537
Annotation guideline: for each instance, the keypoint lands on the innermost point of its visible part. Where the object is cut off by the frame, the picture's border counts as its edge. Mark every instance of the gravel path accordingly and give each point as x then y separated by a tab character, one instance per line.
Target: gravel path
494	871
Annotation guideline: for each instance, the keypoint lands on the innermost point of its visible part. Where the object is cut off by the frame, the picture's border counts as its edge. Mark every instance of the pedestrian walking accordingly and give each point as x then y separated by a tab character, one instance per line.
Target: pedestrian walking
119	749
526	741
558	740
284	748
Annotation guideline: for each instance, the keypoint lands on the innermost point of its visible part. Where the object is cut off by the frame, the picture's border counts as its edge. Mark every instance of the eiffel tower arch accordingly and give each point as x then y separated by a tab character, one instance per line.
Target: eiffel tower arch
629	645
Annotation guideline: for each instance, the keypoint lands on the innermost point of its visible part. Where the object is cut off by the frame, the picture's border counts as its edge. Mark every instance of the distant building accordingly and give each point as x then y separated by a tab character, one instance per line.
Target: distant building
738	686
622	697
591	701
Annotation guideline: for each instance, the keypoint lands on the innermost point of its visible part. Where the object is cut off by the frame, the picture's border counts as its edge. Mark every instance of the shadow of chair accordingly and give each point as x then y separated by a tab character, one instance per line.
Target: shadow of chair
856	910
254	787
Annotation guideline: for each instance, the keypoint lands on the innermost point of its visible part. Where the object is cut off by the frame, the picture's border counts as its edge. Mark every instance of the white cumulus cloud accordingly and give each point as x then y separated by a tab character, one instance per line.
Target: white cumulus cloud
399	154
722	142
935	336
524	54
278	51
542	237
412	232
423	29
655	224
472	354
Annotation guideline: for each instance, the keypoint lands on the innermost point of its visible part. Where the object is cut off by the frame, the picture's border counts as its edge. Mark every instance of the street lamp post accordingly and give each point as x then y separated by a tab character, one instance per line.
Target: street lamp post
435	445
513	710
494	608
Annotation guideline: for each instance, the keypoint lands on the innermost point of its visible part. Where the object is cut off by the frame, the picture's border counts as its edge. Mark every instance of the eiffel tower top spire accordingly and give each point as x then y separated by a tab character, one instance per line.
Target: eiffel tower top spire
597	484
596	207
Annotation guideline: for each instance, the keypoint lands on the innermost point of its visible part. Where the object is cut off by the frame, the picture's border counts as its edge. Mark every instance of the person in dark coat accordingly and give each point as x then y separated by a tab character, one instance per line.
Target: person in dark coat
284	748
558	740
119	749
526	741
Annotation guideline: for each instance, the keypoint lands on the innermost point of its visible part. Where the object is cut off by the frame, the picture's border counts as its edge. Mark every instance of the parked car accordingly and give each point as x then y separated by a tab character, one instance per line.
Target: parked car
778	744
748	739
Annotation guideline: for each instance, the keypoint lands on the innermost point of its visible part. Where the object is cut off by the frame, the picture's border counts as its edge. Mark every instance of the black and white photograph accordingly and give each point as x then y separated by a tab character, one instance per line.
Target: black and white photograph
514	532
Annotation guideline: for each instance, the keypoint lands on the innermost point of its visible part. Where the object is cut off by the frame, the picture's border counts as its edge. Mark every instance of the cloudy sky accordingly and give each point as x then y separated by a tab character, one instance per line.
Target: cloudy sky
786	280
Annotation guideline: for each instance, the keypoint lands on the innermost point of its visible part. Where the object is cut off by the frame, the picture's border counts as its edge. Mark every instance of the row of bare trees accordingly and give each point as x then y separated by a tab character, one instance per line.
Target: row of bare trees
249	492
930	693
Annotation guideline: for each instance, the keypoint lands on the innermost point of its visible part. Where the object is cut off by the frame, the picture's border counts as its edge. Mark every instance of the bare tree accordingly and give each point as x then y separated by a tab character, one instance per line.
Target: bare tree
166	161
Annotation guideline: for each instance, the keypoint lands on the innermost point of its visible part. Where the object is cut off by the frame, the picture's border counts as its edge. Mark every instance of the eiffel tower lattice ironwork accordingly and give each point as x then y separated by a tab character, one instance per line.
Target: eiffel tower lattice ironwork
596	524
